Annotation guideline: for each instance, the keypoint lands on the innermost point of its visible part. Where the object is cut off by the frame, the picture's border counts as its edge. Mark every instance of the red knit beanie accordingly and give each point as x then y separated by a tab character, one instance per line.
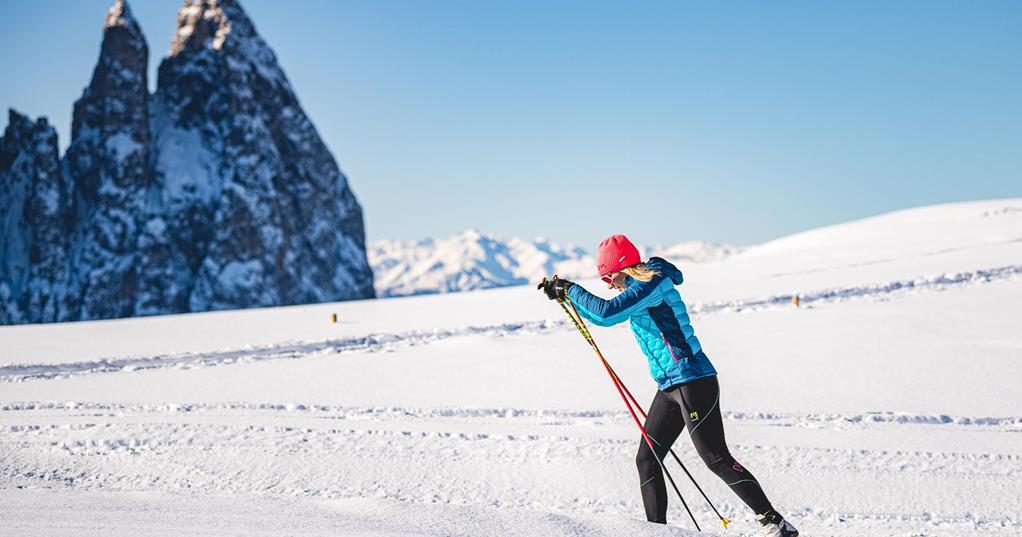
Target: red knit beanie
616	253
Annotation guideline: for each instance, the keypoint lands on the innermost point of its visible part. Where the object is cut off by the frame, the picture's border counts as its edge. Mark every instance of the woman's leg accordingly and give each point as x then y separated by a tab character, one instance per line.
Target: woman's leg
663	425
701	398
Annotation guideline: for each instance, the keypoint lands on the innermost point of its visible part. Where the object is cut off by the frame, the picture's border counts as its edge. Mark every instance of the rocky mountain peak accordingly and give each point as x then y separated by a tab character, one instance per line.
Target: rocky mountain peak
124	45
200	24
33	221
119	14
118	92
108	160
20	126
216	192
261	170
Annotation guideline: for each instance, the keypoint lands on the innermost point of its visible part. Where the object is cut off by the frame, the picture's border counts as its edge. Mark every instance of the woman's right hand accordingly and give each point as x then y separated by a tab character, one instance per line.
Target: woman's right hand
555	289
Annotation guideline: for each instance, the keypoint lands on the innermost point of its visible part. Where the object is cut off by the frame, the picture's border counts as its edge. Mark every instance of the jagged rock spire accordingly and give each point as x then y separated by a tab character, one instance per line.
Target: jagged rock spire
109	161
272	174
200	24
33	222
119	14
216	192
118	92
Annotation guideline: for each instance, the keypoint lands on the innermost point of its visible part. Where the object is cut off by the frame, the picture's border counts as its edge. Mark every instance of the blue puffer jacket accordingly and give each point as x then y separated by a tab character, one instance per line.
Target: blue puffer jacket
659	321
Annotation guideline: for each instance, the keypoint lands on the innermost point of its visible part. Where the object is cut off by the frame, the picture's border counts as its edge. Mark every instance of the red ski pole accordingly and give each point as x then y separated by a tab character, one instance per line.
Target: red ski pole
617	384
580	323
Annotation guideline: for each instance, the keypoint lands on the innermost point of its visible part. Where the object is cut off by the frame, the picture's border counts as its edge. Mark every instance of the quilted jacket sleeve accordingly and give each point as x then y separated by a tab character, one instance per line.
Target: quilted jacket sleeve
638	296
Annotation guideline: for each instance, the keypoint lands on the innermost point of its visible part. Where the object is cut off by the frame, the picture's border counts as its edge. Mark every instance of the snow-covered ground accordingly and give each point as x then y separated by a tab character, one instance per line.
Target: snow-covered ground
888	404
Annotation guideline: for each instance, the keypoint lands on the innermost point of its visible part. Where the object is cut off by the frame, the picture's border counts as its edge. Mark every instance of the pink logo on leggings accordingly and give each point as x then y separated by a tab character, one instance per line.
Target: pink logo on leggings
737	467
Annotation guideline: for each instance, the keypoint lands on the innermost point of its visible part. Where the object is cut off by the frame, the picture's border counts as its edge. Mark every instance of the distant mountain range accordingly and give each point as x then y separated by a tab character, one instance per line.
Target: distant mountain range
478	260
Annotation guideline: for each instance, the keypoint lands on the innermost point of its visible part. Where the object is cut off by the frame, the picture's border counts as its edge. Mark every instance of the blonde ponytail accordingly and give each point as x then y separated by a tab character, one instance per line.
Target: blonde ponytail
641	272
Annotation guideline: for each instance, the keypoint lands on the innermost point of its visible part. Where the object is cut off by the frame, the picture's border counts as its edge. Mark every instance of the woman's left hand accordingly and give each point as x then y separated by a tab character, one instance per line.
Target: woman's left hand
555	289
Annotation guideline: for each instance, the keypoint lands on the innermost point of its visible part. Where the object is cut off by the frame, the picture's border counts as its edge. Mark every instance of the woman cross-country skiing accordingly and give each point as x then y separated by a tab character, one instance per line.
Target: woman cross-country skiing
688	395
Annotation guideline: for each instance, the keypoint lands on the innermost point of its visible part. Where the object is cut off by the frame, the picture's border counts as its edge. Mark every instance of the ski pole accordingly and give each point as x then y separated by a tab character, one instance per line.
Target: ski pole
649	441
723	521
581	322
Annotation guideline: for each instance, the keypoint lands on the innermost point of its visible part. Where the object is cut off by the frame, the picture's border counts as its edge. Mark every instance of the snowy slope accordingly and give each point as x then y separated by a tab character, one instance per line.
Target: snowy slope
883	406
477	260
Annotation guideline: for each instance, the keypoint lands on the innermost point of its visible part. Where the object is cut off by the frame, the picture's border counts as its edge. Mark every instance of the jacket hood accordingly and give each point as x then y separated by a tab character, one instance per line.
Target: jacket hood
666	268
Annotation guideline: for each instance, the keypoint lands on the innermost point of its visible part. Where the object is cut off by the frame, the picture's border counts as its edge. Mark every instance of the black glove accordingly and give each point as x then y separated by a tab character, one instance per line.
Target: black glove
555	289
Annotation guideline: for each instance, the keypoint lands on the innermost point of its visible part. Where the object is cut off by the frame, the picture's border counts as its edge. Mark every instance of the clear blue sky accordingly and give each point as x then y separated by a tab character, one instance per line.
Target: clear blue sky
576	119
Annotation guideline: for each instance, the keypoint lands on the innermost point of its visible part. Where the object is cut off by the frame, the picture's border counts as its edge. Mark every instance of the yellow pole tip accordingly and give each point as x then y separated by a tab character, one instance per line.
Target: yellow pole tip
725	522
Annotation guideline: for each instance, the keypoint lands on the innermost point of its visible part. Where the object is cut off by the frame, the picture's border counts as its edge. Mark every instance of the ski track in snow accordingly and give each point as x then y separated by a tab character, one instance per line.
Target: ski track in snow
590	417
564	461
382	342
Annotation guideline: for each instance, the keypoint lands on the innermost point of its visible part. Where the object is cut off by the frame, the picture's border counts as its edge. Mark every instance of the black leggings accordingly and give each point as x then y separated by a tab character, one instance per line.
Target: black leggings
693	404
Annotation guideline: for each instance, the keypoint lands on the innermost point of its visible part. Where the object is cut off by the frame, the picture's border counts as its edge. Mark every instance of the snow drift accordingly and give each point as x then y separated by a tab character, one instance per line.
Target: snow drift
884	405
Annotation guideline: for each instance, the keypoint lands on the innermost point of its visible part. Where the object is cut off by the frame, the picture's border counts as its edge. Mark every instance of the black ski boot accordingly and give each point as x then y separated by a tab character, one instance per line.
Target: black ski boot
774	525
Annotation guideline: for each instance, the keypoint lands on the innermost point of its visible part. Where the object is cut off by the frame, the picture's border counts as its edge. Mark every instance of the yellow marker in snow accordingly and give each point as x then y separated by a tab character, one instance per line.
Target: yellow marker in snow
333	318
795	301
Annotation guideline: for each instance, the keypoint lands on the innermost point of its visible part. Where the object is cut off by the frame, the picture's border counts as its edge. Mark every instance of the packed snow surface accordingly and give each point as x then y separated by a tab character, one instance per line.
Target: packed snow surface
886	404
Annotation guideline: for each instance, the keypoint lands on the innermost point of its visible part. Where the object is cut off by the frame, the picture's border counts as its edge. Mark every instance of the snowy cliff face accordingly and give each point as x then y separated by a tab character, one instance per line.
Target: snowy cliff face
34	220
216	192
478	260
108	159
268	218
